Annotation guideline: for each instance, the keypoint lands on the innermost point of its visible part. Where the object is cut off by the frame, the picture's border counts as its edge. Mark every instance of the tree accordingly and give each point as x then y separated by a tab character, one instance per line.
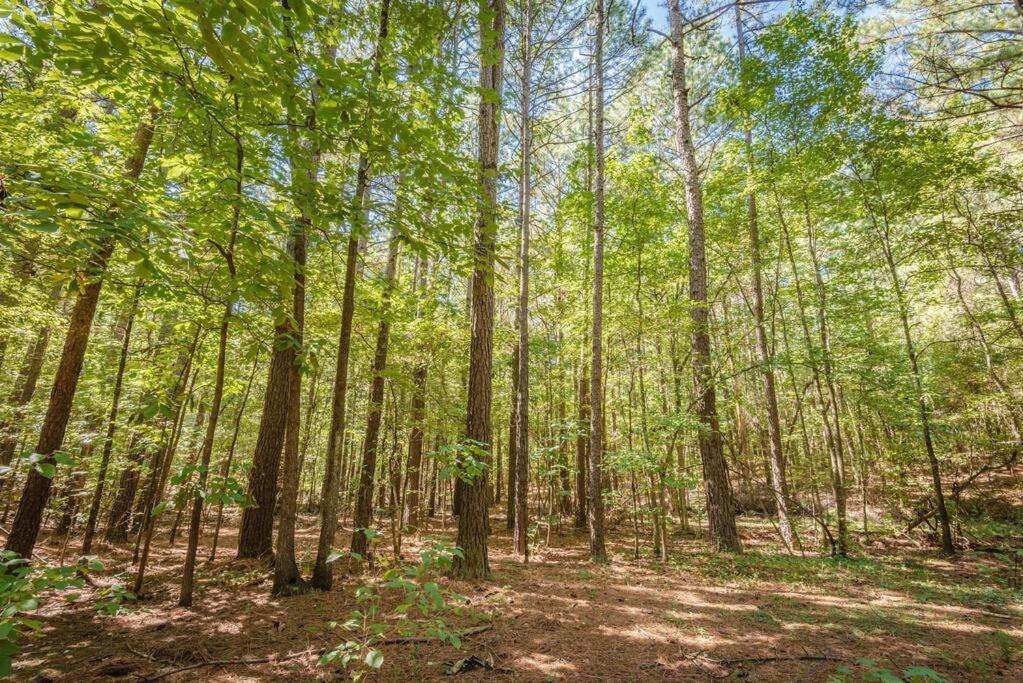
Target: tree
472	520
36	493
715	474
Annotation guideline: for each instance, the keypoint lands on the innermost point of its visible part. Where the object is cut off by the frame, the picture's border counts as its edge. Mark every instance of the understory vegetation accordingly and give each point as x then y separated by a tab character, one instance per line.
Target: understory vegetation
398	339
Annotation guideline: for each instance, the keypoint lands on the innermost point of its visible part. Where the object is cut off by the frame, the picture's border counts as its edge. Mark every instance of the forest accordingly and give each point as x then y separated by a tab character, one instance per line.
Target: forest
619	340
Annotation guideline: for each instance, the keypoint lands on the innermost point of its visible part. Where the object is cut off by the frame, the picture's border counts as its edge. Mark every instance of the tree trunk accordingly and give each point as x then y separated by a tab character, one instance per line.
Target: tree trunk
776	456
127	486
947	546
287	578
417	417
581	450
720	511
162	468
472	520
512	440
22	393
595	504
108	442
185	598
255	539
65	383
522	397
323	576
364	495
225	469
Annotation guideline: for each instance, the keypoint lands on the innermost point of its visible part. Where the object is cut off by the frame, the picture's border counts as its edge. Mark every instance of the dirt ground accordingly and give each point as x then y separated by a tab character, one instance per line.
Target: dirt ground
761	616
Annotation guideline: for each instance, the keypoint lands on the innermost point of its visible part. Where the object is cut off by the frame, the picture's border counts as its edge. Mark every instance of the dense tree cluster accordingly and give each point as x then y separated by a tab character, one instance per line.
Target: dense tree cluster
548	261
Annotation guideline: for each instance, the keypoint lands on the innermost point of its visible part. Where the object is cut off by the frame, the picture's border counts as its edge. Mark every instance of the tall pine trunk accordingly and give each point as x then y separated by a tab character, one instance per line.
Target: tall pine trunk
472	519
323	576
522	395
720	510
595	504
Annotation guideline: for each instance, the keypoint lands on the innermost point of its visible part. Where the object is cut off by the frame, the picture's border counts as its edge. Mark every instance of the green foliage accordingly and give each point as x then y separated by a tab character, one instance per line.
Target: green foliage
464	461
868	670
422	605
22	588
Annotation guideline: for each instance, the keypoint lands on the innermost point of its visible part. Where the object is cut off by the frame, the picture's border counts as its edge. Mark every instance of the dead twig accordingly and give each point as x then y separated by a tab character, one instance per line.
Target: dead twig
294	655
779	658
406	640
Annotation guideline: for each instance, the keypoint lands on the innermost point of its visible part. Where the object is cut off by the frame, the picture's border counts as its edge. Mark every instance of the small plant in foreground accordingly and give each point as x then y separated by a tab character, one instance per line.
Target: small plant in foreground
867	670
21	585
423	601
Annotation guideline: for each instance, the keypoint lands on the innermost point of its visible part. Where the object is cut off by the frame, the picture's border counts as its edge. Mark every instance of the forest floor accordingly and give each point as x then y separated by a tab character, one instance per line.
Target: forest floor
759	616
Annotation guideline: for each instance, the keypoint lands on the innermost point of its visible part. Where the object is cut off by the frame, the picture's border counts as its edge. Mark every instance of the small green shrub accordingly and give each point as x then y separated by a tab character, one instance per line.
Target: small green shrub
21	588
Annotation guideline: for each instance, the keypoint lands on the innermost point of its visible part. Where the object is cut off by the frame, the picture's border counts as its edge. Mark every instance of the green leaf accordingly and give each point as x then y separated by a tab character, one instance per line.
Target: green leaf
62	458
375	658
923	673
46	469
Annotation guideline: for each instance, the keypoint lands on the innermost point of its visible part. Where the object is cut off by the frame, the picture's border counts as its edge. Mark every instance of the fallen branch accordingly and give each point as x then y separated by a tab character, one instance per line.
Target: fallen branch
780	658
224	662
294	655
406	640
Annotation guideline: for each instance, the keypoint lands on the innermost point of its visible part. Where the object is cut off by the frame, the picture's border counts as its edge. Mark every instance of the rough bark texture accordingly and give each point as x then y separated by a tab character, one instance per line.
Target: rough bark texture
255	539
522	395
595	504
29	517
287	578
472	520
720	511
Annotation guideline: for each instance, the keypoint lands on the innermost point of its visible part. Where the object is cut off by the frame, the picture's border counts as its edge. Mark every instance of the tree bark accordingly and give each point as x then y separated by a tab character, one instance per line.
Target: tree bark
287	579
255	539
22	393
183	389
36	493
472	520
127	486
522	396
512	440
595	504
323	576
417	416
923	410
720	510
364	494
185	597
225	468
